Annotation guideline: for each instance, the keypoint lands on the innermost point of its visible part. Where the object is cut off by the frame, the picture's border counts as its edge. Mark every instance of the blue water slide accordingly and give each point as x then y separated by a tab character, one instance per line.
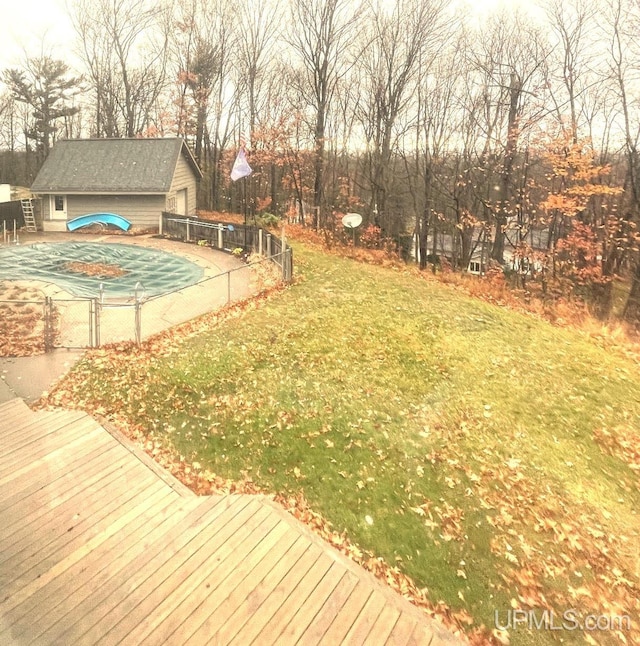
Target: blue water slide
99	218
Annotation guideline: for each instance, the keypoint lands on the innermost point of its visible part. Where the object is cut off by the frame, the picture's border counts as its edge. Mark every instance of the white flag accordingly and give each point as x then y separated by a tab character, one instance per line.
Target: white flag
241	166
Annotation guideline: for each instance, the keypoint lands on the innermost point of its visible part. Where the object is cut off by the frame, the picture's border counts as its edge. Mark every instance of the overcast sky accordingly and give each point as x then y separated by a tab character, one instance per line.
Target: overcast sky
26	26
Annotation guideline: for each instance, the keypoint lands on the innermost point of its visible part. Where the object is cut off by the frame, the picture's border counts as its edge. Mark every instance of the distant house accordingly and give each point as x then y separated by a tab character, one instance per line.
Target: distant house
135	178
537	239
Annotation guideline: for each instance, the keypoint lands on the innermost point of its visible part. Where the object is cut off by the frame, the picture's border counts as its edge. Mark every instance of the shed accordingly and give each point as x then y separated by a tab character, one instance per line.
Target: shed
135	178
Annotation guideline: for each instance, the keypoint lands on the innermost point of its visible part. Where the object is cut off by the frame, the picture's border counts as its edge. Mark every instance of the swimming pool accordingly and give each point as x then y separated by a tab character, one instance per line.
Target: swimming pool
62	263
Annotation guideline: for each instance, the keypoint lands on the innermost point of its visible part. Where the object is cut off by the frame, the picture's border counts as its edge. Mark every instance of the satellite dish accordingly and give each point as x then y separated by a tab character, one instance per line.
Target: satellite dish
352	220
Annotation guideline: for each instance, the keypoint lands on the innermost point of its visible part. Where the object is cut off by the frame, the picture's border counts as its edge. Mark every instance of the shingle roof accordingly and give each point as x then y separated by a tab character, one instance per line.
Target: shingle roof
112	166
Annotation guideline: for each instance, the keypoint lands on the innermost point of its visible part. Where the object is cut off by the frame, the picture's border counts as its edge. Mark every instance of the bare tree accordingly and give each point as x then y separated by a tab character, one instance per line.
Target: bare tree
203	31
511	61
401	43
571	24
436	127
322	32
623	23
124	46
255	53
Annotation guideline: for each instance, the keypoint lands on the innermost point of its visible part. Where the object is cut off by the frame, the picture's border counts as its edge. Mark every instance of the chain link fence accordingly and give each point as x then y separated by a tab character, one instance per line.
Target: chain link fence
71	323
36	326
31	325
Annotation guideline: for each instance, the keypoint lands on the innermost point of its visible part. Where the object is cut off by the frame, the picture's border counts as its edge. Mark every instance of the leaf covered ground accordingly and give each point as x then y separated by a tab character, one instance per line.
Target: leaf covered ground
487	456
21	320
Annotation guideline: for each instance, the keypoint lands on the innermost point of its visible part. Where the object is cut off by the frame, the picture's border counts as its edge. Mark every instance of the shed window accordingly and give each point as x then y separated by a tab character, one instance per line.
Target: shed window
59	202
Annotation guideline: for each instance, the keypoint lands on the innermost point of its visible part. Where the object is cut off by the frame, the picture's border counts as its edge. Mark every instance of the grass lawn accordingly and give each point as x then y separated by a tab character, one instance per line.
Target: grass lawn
492	457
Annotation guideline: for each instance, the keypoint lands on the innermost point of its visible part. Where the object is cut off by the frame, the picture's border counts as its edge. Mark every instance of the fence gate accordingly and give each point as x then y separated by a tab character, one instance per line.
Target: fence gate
71	323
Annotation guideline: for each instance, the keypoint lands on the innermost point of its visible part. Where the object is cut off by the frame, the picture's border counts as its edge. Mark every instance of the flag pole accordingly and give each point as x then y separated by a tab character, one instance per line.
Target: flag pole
244	205
242	170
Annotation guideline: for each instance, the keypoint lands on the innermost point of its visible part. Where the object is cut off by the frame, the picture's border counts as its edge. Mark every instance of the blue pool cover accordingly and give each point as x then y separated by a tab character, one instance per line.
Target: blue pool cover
159	272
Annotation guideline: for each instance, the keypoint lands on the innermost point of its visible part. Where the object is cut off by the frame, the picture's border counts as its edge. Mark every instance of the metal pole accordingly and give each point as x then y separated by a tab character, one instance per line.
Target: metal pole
228	287
98	305
244	204
91	309
48	315
138	323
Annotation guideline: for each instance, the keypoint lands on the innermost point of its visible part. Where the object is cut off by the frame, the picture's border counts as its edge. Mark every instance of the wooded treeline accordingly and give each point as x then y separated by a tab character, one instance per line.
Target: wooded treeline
403	111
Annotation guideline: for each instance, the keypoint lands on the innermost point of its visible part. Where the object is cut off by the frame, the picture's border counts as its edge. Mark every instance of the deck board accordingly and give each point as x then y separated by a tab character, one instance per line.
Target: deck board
260	591
308	610
14	418
230	585
47	453
29	565
285	613
82	578
85	463
257	624
314	633
385	623
30	428
37	430
40	512
185	604
401	633
214	561
343	621
80	511
98	545
363	624
121	595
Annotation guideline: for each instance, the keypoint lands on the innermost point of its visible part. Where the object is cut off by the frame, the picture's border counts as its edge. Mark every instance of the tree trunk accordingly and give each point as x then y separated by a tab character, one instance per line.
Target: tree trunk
515	89
602	299
631	312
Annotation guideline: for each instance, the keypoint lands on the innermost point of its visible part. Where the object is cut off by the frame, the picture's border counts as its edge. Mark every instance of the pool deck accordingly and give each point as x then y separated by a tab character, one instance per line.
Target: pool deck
117	320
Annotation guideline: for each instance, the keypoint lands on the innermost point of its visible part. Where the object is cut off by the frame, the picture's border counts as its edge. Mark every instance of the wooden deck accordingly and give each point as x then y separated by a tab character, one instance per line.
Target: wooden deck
99	546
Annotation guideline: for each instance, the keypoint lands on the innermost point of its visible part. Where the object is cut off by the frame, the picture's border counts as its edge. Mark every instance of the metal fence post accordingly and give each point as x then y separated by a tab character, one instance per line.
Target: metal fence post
220	243
138	322
98	304
268	245
228	287
188	240
260	242
94	325
48	323
91	317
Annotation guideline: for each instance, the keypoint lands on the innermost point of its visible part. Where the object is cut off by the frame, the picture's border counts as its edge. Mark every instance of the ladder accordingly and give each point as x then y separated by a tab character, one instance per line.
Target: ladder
29	219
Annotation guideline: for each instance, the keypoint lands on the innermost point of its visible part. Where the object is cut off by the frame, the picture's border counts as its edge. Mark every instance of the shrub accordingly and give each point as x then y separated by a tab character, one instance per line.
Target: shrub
267	220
